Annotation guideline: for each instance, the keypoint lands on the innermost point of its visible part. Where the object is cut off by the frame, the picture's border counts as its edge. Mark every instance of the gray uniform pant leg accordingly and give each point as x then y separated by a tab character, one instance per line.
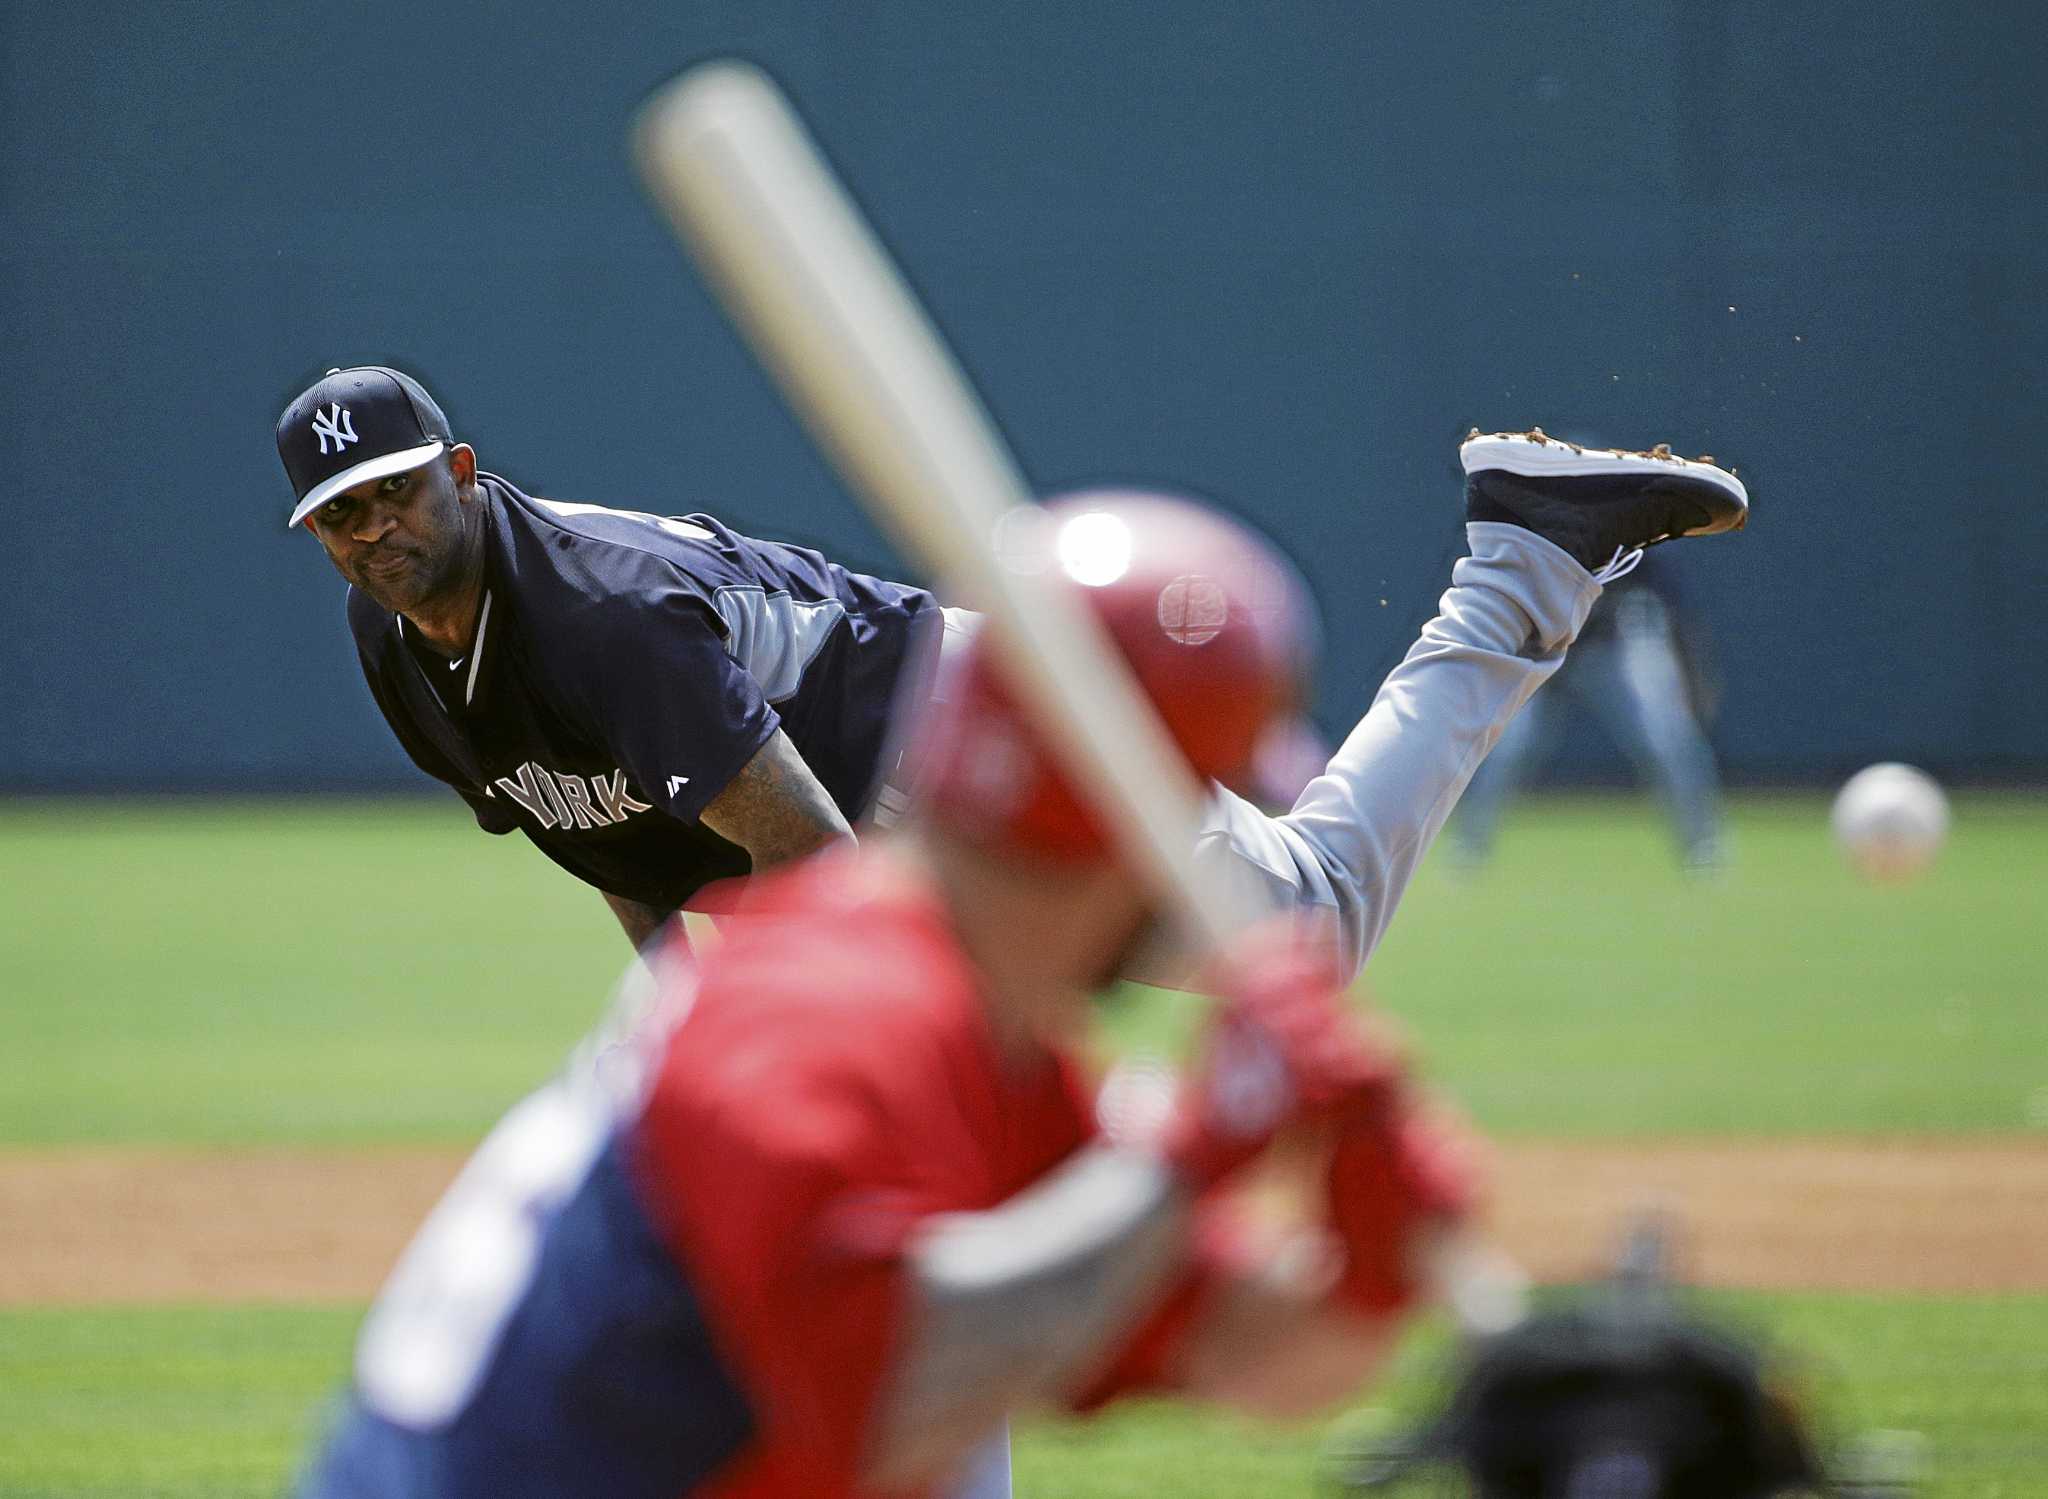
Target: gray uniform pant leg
1522	744
1353	840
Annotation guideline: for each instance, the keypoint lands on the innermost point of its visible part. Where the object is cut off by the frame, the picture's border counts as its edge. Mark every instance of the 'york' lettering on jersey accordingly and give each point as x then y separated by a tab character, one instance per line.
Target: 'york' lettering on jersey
558	799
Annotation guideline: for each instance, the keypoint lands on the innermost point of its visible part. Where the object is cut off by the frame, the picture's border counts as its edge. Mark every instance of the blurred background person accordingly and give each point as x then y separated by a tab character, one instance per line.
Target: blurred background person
1641	667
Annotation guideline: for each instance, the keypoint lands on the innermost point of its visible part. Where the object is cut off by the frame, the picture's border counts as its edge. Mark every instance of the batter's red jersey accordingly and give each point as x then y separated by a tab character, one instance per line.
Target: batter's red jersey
834	1081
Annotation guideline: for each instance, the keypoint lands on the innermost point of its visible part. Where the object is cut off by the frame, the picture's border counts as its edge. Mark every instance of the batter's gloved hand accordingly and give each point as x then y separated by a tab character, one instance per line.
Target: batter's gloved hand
1393	1182
1283	1049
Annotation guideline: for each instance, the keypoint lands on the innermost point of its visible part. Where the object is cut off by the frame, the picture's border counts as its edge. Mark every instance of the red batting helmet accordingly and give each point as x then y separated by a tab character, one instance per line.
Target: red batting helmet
1216	626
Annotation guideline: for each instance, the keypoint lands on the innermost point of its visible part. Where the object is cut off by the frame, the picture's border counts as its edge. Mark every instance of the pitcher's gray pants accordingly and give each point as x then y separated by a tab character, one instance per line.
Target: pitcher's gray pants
1633	679
1353	839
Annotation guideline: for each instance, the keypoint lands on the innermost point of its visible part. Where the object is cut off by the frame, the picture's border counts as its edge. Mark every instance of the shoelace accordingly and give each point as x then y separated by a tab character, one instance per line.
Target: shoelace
1620	565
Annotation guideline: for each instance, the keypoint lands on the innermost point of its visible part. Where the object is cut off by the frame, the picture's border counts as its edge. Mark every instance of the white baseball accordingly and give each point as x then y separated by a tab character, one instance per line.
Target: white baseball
1891	821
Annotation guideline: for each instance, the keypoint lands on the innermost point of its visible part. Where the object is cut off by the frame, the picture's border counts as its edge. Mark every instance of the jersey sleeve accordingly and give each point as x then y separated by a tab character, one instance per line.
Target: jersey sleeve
792	1213
661	692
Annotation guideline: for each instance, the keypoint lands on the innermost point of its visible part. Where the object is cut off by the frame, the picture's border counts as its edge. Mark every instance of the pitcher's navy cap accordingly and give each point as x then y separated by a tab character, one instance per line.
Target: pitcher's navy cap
365	422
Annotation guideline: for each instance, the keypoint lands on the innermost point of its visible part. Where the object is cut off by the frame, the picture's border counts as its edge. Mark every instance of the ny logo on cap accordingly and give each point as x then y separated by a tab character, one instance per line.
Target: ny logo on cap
335	422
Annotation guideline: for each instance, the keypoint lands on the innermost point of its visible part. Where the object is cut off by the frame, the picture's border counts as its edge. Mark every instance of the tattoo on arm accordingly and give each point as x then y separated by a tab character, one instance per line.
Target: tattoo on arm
775	807
1012	1307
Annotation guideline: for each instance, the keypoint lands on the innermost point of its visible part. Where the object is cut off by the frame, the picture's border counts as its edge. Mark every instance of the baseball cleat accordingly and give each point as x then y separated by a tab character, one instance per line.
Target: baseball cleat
1602	505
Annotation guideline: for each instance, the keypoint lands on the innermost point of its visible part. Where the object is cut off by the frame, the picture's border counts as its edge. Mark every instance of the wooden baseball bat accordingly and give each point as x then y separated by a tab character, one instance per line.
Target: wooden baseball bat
829	314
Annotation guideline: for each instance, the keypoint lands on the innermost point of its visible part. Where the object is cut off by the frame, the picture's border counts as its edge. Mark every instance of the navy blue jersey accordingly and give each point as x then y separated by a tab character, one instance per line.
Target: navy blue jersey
603	1381
627	666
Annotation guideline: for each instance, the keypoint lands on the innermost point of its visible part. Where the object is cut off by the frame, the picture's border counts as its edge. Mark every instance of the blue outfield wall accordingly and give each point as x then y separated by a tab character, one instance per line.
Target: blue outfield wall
1283	253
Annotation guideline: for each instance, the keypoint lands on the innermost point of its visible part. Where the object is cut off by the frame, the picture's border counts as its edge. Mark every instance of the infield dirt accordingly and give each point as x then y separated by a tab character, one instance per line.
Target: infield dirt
95	1226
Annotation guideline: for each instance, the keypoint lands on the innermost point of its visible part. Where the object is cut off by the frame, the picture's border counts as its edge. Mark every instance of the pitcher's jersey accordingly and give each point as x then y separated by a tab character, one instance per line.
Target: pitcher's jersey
701	1299
627	666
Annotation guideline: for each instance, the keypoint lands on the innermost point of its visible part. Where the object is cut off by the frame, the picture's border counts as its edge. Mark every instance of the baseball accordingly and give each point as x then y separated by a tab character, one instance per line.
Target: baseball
1890	819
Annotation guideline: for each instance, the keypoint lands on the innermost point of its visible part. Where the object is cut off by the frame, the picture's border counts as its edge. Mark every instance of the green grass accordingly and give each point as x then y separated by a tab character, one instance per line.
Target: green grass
218	1403
1580	985
330	972
334	973
150	1403
282	971
1969	1376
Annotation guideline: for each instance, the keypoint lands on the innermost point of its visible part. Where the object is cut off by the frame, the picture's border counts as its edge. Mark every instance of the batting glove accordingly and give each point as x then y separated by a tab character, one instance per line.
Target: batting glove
1282	1050
1390	1183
